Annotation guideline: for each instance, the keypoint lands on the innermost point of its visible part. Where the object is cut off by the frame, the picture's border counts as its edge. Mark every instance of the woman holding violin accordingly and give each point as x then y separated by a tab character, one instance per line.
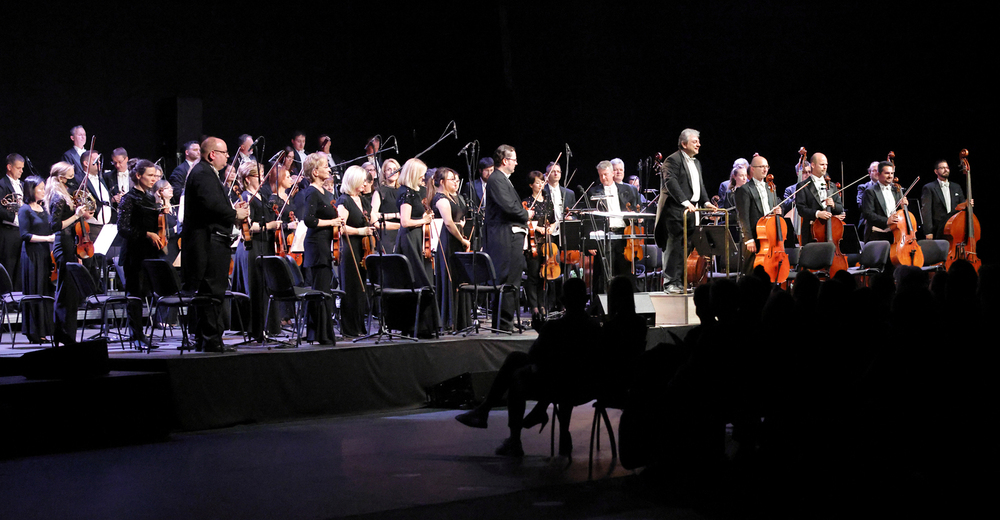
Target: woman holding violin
63	214
384	206
321	217
353	208
415	221
451	209
138	225
534	284
36	260
248	275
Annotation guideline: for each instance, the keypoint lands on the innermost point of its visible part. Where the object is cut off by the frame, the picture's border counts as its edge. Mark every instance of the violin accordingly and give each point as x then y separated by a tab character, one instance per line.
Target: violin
280	239
905	250
532	245
634	249
367	241
962	228
831	230
550	269
81	230
771	232
291	240
428	252
161	229
54	275
335	245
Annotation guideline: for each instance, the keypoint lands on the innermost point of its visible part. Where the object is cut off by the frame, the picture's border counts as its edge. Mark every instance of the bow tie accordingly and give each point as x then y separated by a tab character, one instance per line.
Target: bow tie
944	184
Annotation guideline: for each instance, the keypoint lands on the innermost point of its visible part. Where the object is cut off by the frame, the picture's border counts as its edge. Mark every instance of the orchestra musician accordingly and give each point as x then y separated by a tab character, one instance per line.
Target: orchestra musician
413	216
615	198
534	283
208	223
63	214
248	275
506	225
560	199
449	206
938	199
737	177
353	208
682	189
879	205
753	201
618	174
138	226
78	135
385	213
320	216
36	260
10	233
872	181
812	202
178	177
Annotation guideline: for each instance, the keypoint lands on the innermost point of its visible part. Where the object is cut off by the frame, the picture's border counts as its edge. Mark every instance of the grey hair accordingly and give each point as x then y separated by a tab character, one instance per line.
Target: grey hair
686	136
617	162
604	165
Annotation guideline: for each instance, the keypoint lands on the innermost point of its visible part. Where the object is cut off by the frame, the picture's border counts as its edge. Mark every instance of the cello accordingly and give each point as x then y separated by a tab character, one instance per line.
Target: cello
905	250
831	230
771	231
962	228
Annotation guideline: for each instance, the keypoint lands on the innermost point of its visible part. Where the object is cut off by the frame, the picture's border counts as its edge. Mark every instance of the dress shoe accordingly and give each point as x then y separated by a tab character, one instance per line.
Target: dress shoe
536	416
510	448
673	289
473	419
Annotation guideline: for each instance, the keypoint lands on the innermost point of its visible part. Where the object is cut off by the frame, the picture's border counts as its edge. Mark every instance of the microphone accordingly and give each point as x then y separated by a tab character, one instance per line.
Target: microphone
259	139
569	153
465	148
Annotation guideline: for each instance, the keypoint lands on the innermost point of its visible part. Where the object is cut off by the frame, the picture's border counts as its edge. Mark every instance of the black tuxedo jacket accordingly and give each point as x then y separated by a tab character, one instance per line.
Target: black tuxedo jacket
568	197
625	196
6	188
749	210
177	181
208	215
874	210
503	210
674	189
807	202
97	197
933	212
73	158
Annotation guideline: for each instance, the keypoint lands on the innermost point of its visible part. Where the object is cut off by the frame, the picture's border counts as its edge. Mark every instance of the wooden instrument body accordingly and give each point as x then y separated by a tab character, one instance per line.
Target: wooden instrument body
962	241
771	231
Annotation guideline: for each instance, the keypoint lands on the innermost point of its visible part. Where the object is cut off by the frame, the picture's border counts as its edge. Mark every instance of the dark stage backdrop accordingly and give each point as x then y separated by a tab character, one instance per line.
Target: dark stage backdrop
852	80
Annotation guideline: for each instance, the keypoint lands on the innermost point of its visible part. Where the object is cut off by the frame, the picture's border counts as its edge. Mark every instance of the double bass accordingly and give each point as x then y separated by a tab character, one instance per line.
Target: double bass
771	232
905	250
962	228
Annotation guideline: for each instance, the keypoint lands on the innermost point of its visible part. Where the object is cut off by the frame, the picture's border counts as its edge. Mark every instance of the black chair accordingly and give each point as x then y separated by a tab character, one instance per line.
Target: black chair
300	281
601	406
280	284
874	256
476	275
91	299
11	298
815	256
167	292
120	275
935	253
392	277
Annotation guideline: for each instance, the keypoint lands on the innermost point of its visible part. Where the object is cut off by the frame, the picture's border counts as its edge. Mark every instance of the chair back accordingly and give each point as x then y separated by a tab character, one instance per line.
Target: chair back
817	255
6	285
296	272
390	271
81	278
935	251
875	254
278	277
162	277
475	268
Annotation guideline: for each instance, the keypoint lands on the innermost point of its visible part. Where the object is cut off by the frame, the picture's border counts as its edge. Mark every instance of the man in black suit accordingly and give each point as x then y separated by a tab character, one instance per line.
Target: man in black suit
208	221
79	137
935	205
753	201
613	197
816	201
192	154
682	189
10	234
117	180
506	223
879	203
872	181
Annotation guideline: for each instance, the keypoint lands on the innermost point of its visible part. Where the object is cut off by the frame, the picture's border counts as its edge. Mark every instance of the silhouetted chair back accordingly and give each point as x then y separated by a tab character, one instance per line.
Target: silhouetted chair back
281	284
393	278
10	298
476	274
167	292
91	299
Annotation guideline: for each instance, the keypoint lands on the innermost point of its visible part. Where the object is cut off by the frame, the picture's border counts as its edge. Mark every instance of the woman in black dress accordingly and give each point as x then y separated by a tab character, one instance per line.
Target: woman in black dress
36	260
450	207
63	214
534	285
248	276
138	224
354	209
384	206
413	215
321	218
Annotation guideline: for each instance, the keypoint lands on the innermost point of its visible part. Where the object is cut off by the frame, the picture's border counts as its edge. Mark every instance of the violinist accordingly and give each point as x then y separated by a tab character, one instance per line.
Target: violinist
815	201
353	208
533	259
938	199
560	199
754	200
879	204
321	217
449	206
138	225
164	193
63	213
413	216
208	224
36	260
385	213
248	275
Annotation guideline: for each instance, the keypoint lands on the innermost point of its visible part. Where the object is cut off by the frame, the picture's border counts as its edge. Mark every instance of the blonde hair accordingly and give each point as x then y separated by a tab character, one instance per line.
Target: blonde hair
388	166
312	161
413	170
353	179
54	187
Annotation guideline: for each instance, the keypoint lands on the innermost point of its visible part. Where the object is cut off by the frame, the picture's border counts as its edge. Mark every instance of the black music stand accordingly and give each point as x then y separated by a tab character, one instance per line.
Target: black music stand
712	241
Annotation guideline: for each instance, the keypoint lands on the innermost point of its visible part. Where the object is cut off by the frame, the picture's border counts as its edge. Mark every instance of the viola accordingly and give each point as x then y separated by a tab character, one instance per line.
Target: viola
962	228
